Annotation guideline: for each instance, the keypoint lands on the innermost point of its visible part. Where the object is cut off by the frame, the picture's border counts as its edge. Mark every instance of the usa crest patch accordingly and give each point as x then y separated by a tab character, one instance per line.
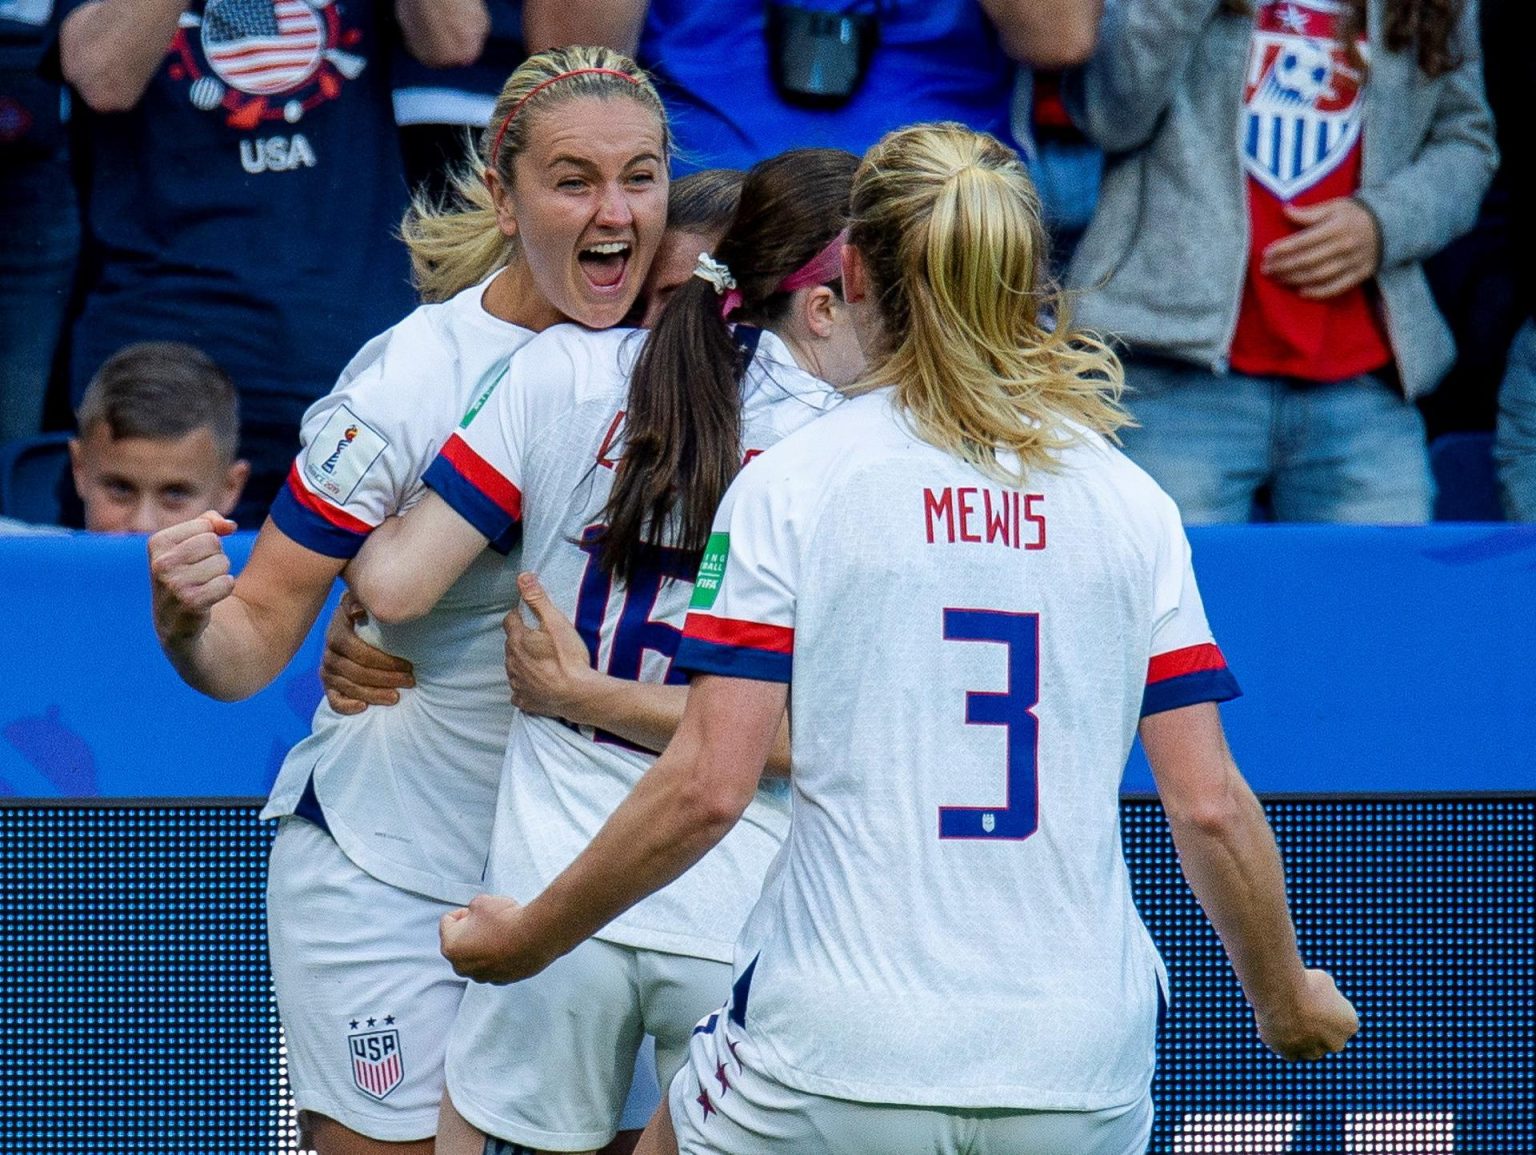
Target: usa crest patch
377	1065
1302	97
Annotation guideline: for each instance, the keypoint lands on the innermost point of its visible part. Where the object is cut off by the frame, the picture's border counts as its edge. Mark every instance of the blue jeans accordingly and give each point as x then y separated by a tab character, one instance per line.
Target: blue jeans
1514	446
1351	451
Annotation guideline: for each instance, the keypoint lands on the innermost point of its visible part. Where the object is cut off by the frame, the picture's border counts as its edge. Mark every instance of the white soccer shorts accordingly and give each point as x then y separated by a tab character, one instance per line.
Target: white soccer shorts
722	1103
365	998
546	1062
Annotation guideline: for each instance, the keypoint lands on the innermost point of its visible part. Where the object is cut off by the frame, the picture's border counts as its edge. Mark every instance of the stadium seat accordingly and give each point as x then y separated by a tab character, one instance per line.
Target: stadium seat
1467	485
32	478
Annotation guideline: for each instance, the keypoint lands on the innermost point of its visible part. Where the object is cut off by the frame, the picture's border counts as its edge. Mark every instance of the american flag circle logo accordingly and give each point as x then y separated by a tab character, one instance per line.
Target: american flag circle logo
263	47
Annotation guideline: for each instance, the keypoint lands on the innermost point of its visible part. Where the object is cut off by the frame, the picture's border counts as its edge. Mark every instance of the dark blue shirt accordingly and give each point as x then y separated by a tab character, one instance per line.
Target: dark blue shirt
247	203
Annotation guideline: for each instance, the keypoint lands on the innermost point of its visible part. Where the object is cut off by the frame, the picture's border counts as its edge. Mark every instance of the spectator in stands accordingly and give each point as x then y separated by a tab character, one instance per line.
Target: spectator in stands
744	81
243	182
442	111
158	428
1509	30
40	225
1261	266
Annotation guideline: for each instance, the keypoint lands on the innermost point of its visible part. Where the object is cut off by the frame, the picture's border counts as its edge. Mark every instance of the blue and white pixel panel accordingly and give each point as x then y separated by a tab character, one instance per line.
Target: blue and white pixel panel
136	1012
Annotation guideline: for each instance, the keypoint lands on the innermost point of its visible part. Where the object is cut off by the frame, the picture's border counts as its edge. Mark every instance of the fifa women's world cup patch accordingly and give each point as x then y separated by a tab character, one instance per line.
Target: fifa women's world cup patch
378	1066
341	454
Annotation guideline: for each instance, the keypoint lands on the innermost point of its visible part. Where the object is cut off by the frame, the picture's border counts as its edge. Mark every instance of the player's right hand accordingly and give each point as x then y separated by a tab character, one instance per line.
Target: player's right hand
1319	1021
189	574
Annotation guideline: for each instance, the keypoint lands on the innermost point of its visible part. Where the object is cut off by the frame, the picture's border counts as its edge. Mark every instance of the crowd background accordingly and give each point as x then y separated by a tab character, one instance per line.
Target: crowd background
231	173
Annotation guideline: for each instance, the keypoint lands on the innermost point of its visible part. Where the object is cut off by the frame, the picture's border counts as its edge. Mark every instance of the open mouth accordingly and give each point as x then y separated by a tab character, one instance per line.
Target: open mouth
604	264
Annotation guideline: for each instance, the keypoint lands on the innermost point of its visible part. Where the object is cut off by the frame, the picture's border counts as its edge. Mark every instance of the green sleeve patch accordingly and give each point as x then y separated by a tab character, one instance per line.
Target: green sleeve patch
706	586
485	395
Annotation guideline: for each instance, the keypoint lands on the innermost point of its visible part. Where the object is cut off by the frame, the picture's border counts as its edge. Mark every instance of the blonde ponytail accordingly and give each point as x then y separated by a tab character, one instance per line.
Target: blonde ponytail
979	347
458	243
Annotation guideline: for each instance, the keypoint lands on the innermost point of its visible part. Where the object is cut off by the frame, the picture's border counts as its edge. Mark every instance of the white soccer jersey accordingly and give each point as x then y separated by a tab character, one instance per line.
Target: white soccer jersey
408	791
951	922
541	453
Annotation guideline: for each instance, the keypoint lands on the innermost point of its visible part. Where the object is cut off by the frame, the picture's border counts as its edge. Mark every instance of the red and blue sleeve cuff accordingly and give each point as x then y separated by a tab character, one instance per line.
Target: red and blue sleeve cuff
1185	677
736	649
315	523
480	495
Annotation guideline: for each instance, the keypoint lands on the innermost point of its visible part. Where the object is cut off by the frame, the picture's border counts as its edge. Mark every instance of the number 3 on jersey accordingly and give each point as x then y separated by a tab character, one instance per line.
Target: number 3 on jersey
1012	709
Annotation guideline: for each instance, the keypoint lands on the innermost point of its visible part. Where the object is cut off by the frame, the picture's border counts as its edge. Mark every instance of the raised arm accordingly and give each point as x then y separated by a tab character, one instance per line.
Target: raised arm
550	673
110	49
228	637
1046	33
444	33
1229	856
1145	49
614	24
683	806
408	563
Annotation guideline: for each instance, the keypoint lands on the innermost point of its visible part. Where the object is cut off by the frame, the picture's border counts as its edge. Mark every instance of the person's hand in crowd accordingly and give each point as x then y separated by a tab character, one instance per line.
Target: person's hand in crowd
1320	1020
481	940
189	574
1336	247
444	33
549	669
357	675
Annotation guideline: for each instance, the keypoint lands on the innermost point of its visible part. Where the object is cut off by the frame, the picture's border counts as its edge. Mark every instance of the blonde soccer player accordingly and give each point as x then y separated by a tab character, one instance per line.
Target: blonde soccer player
977	602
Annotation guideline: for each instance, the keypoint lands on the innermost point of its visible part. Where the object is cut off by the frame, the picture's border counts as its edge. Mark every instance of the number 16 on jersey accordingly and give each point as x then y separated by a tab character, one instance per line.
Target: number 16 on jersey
1013	709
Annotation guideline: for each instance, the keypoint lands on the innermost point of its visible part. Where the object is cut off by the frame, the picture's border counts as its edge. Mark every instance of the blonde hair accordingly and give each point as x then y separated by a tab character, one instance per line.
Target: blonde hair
948	223
457	243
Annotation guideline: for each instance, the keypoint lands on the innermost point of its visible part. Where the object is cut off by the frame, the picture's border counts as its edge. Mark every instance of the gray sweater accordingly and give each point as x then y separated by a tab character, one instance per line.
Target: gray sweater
1163	263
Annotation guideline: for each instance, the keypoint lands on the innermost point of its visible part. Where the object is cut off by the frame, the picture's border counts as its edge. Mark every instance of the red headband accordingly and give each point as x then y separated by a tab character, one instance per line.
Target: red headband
537	88
825	266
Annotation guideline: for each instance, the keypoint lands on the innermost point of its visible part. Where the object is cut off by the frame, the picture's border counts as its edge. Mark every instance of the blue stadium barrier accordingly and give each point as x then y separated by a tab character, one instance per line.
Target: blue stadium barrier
1372	659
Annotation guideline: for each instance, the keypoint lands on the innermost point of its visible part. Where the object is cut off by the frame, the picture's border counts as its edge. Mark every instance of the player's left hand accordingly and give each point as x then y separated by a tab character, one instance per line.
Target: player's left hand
483	943
355	674
548	668
1337	246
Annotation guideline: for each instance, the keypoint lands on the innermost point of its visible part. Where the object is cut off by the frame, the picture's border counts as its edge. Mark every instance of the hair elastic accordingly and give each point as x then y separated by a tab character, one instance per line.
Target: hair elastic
543	84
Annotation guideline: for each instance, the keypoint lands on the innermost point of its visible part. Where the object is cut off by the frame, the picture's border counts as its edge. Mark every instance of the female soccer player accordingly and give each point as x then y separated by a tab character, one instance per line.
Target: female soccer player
977	601
560	220
610	456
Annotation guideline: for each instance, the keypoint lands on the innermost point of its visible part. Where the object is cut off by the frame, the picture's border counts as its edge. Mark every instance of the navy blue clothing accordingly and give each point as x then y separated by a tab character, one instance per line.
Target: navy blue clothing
503	52
246	205
936	60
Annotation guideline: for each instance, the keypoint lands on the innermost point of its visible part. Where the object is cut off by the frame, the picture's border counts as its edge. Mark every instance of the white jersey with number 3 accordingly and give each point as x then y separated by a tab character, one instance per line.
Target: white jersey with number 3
951	923
540	455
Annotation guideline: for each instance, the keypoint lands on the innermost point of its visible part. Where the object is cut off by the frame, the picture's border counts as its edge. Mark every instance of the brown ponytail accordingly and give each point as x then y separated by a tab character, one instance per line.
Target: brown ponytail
682	424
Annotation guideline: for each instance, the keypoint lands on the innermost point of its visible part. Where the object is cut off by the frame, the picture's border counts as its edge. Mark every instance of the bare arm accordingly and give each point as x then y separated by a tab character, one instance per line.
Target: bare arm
227	637
1229	856
109	50
683	806
555	23
408	563
550	673
1046	33
444	33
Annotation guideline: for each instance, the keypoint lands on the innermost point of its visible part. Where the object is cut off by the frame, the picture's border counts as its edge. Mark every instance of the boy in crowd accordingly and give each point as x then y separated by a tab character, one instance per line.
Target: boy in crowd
159	425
